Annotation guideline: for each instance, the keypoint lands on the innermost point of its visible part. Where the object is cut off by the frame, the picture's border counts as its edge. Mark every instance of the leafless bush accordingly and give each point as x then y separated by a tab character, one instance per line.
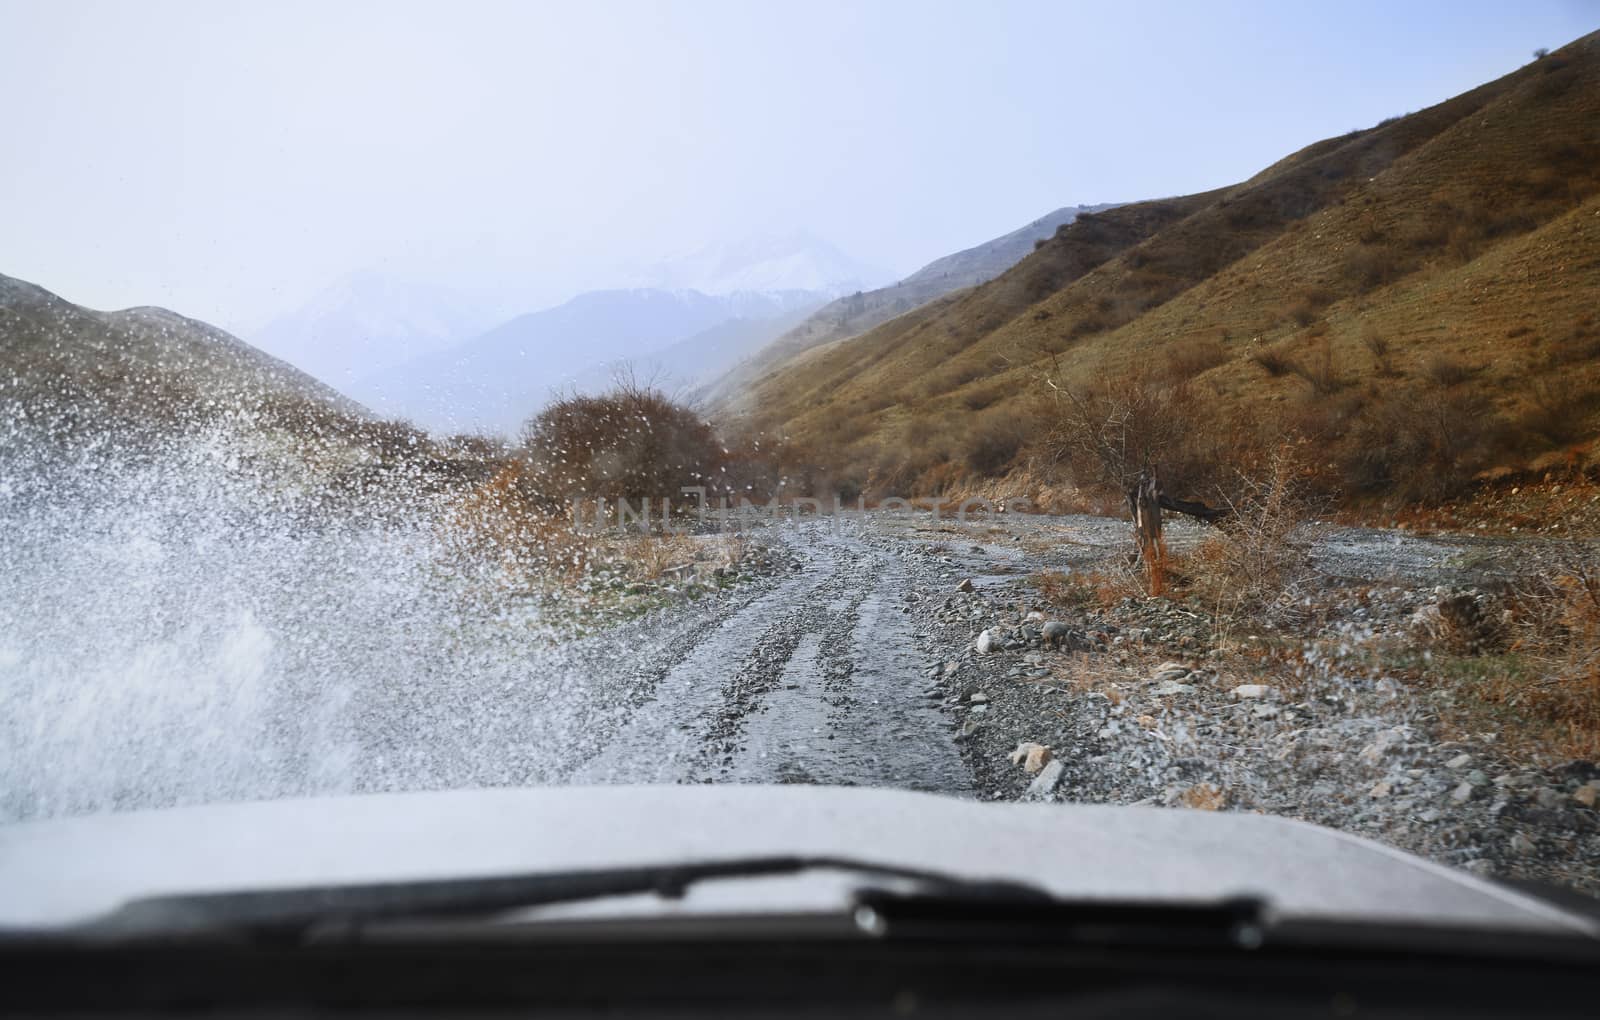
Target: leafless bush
1560	409
1257	565
1118	433
1556	621
508	520
1318	368
630	442
1447	371
1275	363
992	443
1371	266
1378	346
1188	358
1419	443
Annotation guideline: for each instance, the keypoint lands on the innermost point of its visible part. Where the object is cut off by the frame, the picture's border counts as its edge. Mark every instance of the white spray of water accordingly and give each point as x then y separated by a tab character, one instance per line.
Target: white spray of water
179	627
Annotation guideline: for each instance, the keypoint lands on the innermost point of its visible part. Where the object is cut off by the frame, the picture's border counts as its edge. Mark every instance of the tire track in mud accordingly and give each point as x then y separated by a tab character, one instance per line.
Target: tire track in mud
815	681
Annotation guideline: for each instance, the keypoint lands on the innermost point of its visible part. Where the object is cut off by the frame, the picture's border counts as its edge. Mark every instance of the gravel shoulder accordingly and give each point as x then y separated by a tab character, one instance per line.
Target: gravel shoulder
1135	706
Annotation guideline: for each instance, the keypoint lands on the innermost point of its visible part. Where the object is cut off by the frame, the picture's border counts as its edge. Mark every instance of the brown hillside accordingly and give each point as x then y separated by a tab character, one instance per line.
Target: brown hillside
1419	299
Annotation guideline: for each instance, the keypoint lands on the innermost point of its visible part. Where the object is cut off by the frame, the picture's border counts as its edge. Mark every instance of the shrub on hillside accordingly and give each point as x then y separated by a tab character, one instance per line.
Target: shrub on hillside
630	442
992	444
1319	368
1274	363
1421	444
1372	266
1561	409
1444	370
1186	359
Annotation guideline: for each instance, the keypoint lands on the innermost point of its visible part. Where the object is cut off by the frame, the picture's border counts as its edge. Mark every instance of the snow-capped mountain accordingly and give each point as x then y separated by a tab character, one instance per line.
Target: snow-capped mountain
766	264
368	322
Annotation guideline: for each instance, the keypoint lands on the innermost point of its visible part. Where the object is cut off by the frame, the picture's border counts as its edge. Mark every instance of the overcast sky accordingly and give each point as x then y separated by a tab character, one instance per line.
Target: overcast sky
229	159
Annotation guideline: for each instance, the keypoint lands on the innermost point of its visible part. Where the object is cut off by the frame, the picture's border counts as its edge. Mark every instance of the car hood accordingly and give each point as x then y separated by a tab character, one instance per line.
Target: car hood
63	871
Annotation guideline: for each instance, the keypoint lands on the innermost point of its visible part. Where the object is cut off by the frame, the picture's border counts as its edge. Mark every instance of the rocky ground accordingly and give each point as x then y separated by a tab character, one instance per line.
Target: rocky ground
1134	703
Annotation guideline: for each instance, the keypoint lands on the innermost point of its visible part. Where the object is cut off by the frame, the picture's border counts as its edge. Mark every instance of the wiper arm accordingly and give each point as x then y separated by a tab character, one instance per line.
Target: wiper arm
291	913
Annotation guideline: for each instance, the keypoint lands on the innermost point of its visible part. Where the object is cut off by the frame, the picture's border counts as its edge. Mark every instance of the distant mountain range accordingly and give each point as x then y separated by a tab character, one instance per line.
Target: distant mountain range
431	355
495	381
368	322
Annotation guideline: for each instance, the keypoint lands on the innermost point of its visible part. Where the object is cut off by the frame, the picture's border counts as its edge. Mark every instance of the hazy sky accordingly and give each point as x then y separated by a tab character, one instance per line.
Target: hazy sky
228	159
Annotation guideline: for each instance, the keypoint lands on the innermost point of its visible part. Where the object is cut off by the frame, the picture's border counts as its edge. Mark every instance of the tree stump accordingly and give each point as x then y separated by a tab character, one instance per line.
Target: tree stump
1144	499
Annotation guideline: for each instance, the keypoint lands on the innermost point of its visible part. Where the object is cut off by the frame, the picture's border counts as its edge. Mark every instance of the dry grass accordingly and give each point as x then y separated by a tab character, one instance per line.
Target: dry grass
1100	588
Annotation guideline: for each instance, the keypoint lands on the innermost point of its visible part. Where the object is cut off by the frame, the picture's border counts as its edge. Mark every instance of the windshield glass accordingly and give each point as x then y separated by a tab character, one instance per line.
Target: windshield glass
1029	403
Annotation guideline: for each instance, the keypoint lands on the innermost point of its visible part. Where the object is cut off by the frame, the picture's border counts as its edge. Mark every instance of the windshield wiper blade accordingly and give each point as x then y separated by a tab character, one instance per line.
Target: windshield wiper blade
291	913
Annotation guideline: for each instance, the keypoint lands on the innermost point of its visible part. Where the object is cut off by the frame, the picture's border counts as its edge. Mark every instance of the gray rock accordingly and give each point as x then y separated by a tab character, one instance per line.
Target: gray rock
1462	793
987	642
1384	744
1168	687
1522	845
1460	761
1054	632
1045	783
978	697
1251	691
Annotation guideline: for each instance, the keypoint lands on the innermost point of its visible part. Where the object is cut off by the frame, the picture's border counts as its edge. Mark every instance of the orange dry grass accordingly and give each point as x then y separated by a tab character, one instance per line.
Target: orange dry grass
504	519
1569	697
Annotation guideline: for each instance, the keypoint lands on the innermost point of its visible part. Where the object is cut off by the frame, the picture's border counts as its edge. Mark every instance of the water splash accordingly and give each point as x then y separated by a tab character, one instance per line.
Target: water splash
182	625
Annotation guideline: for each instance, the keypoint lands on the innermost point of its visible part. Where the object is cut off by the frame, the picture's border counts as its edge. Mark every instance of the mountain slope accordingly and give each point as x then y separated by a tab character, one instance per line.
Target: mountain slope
1332	294
140	367
858	312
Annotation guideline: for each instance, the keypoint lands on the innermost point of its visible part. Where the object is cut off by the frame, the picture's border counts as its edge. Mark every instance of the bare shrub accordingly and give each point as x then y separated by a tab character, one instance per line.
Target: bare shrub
1447	371
1420	443
1371	266
1188	358
630	442
992	444
1275	363
1318	368
1378	346
1257	565
1560	409
1557	628
1307	303
654	556
1116	433
1580	344
980	397
509	520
